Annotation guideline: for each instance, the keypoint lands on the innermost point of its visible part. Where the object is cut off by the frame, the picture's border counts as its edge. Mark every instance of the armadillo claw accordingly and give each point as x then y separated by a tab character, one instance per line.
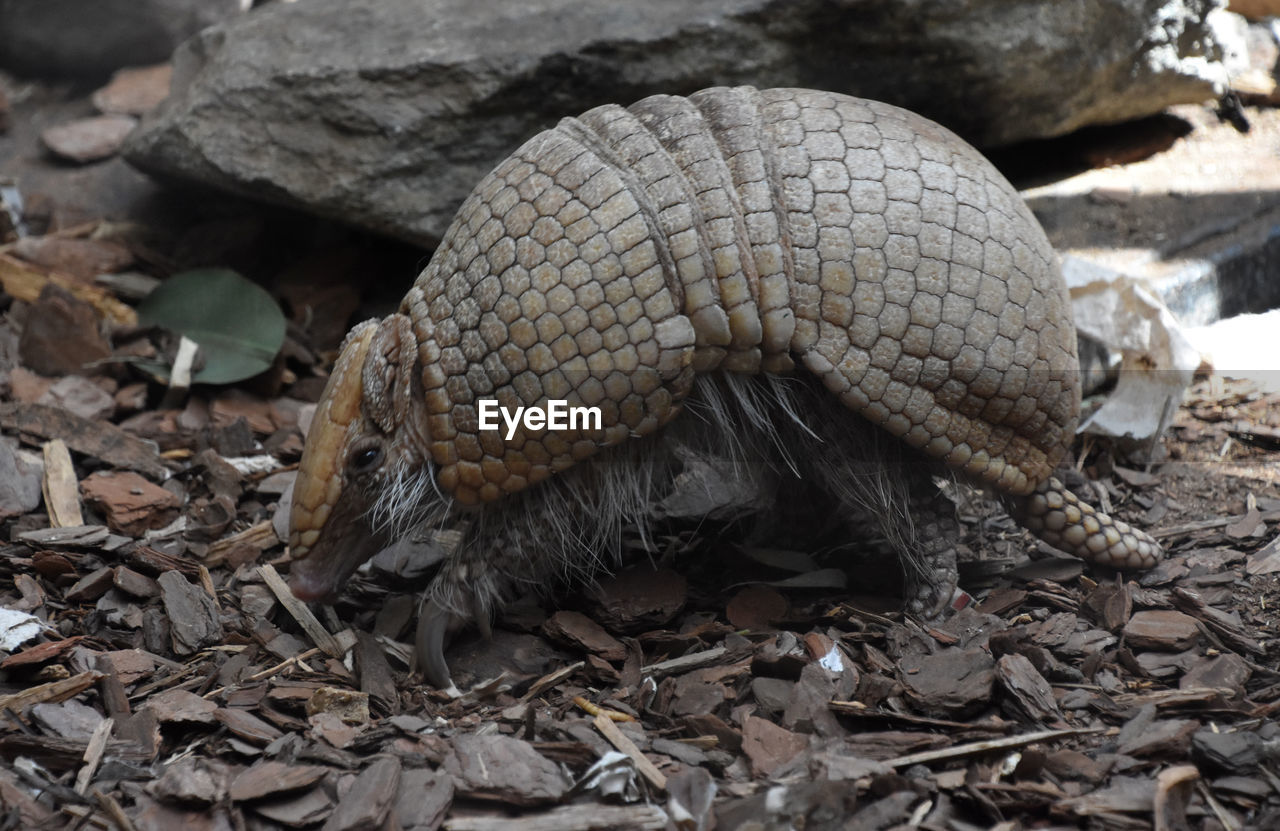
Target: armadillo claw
433	624
436	620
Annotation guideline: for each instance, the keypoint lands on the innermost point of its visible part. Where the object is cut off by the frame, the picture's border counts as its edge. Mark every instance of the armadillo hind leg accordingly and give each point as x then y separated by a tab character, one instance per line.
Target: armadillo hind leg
933	583
915	518
869	473
1069	524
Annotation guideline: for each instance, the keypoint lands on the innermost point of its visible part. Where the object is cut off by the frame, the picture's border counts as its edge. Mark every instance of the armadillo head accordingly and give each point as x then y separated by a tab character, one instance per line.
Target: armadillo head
363	479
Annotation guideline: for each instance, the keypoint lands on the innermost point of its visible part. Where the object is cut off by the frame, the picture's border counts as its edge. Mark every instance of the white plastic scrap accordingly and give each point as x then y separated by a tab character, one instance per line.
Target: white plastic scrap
833	661
613	775
16	628
1157	360
253	465
1246	346
171	530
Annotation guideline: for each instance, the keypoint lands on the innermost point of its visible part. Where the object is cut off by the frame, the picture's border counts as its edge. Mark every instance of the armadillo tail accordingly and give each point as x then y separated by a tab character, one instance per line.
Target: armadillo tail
1068	523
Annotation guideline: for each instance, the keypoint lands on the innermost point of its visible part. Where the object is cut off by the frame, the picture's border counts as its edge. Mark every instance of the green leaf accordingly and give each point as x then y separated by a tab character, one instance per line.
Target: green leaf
238	325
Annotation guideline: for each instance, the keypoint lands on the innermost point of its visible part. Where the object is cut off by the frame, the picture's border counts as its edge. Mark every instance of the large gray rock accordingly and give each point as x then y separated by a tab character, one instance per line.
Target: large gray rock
96	37
384	113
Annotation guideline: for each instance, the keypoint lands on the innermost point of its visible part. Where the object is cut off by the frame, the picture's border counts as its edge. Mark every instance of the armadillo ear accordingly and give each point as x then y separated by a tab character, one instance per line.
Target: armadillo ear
388	372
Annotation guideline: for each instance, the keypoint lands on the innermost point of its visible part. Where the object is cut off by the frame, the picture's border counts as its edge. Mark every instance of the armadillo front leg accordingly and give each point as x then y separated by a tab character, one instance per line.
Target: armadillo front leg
463	594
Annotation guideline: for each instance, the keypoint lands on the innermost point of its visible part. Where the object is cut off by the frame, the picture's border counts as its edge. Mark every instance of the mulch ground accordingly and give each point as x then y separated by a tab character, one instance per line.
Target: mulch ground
156	674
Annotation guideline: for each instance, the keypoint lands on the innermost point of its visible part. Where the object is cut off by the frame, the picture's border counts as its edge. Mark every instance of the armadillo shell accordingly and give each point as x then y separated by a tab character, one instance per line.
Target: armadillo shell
611	258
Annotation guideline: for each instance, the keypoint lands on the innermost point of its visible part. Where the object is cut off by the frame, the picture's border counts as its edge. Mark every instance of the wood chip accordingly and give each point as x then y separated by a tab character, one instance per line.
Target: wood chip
951	682
769	746
259	536
570	818
59	690
1162	629
504	769
113	809
369	799
92	586
623	744
25	282
1028	696
131	504
194	622
92	438
247	726
972	748
82	536
270	778
685	662
295	607
192	780
67	754
425	798
179	706
41	652
61	490
583	632
93	754
131	582
79	257
376	680
549	680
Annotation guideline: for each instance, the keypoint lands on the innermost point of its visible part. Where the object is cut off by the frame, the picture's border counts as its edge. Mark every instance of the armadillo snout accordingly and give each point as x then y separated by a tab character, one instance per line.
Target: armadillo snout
341	545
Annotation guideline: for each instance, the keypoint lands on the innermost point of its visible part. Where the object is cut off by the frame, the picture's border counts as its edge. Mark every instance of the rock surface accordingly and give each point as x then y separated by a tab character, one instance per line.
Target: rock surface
72	37
384	115
88	139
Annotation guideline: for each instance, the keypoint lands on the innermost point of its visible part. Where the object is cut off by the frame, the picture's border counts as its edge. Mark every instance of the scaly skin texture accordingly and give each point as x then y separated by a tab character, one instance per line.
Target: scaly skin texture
615	259
877	249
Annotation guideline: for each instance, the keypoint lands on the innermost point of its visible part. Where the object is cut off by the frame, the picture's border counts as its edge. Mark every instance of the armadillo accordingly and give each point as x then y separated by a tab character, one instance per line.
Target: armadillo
762	274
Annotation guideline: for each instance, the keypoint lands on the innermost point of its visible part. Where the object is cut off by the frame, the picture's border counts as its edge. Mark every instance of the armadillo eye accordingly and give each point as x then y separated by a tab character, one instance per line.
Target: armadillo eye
365	458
